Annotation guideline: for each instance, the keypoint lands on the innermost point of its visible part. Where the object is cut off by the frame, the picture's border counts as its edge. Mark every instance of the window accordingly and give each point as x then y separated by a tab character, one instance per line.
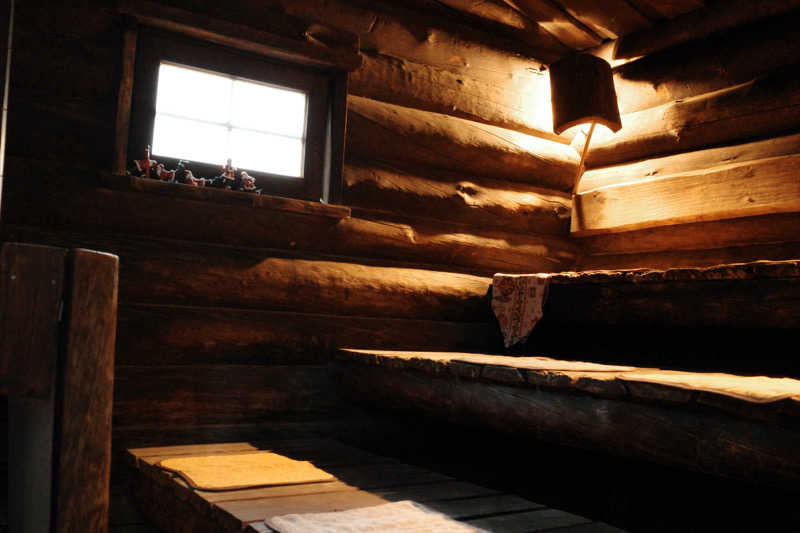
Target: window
260	127
205	103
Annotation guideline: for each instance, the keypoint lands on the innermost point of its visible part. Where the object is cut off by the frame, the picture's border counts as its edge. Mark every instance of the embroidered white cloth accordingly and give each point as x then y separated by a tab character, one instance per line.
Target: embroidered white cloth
518	303
398	517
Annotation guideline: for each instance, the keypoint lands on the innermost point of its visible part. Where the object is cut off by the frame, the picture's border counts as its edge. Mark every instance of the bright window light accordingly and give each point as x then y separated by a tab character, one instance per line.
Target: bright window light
208	118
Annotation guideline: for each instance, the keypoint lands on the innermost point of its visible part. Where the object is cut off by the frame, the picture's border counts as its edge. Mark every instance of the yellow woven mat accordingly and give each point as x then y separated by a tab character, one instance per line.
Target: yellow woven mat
243	470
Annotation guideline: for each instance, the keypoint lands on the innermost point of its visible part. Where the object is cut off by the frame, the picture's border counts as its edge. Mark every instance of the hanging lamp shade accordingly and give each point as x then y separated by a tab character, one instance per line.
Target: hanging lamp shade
582	91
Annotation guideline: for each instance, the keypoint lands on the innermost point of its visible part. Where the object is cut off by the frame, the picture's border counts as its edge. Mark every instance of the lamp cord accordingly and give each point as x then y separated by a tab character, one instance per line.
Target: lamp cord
583	159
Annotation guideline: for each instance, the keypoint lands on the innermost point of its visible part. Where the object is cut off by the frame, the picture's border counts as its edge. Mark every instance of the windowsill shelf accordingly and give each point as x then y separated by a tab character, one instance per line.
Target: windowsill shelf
221	196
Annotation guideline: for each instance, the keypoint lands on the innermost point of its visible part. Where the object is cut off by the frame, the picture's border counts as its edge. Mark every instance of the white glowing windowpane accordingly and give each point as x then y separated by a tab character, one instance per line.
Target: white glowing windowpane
190	93
282	155
265	108
208	118
191	140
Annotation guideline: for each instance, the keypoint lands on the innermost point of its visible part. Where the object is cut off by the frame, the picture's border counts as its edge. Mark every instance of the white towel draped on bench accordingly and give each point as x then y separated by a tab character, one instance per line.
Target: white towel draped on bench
398	517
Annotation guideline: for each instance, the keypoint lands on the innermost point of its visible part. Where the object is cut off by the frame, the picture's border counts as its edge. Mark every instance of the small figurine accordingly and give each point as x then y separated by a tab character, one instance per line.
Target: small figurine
185	176
226	180
142	167
163	174
247	183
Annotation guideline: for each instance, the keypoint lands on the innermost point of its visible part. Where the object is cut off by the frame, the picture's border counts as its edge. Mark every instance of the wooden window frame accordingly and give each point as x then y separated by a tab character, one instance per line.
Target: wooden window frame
316	61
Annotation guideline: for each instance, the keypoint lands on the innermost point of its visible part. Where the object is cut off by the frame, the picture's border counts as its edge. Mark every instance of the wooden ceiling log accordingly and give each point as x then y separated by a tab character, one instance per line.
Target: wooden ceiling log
666	8
610	19
716	16
470	200
709	64
689	162
494	17
419	139
558	22
461	94
764	107
766	186
427	37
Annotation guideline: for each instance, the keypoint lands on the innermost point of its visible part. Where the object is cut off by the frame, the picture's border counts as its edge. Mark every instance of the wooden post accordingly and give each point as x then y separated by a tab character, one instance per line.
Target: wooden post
58	323
124	97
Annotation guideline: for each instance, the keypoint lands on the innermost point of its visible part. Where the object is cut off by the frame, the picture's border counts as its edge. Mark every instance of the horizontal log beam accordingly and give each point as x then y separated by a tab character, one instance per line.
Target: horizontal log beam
763	107
414	138
183	273
765	229
716	16
765	186
472	201
439	89
285	37
734	57
164	396
610	19
691	258
686	438
432	244
688	162
395	29
183	335
558	22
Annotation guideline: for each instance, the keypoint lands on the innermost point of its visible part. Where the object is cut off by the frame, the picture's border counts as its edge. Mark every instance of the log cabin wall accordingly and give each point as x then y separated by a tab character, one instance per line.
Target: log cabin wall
228	314
703	171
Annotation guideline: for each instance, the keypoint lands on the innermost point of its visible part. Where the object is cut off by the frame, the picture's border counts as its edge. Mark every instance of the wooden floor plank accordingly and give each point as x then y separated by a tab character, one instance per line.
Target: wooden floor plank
358	484
528	522
594	527
470	508
236	515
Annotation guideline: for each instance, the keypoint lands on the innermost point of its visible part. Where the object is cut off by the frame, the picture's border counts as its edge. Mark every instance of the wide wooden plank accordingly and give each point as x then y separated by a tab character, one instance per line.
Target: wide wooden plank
761	187
31	286
470	200
528	522
201	335
688	162
31	290
415	139
765	106
470	508
235	515
83	456
209	394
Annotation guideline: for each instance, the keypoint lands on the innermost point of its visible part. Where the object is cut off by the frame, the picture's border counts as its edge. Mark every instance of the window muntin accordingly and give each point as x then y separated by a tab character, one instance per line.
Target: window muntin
209	117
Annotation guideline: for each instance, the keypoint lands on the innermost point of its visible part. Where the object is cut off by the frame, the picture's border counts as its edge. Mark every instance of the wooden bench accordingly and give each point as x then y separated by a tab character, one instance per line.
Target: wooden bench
736	318
362	479
722	424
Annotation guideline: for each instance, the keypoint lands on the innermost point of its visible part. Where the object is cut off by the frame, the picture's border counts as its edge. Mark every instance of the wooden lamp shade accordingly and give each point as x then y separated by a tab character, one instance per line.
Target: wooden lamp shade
582	91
